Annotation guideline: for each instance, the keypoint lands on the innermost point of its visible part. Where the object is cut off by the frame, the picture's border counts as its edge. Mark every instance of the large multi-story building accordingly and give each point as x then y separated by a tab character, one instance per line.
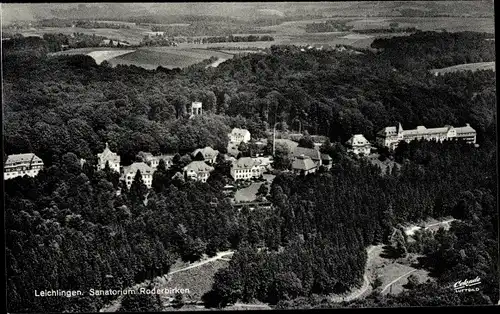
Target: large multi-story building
154	161
315	155
198	170
209	154
239	135
391	136
358	144
111	158
130	172
20	165
246	168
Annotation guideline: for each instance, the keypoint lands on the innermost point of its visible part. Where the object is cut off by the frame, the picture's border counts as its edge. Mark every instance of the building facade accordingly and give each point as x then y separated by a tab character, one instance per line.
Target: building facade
209	154
198	171
129	173
154	161
391	136
108	156
196	109
20	165
304	165
239	135
358	144
246	168
315	155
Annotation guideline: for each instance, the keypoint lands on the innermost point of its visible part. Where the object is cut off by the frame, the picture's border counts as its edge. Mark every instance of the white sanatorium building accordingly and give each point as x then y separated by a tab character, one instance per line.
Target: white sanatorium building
358	144
239	135
246	168
108	156
129	173
391	136
198	170
22	164
154	161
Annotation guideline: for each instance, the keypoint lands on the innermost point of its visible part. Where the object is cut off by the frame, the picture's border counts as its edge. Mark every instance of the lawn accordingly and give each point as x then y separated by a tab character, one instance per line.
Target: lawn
198	280
467	67
168	57
248	194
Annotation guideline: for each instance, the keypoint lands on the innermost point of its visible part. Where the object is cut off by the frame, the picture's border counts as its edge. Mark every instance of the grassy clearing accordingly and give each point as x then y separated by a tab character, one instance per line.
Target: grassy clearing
151	58
248	194
198	280
466	67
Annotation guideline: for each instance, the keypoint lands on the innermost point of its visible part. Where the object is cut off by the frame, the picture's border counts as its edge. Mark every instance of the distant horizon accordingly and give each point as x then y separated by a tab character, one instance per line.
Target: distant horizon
17	12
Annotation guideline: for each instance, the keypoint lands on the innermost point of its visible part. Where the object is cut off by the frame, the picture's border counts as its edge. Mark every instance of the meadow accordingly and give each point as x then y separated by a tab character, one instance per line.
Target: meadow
169	57
466	67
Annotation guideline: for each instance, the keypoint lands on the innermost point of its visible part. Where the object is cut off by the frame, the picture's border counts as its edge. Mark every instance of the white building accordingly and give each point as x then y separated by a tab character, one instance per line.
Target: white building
20	165
196	109
129	173
239	135
246	168
209	154
358	144
108	156
154	161
198	170
391	136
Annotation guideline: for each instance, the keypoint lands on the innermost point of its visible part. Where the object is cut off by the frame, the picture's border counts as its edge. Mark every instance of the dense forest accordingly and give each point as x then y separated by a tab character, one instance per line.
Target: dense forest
67	228
311	248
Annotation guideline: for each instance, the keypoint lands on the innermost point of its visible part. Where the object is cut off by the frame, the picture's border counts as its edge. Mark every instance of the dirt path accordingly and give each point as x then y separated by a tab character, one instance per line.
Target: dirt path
115	305
396	280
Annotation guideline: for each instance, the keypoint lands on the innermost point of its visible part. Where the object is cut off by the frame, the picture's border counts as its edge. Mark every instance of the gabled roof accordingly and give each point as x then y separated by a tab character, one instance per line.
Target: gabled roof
198	166
303	163
207	152
26	158
107	154
312	153
358	140
144	168
387	130
244	163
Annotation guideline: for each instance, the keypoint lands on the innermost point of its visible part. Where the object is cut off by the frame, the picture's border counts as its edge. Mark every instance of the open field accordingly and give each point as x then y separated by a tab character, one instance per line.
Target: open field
168	57
247	194
466	67
198	280
99	54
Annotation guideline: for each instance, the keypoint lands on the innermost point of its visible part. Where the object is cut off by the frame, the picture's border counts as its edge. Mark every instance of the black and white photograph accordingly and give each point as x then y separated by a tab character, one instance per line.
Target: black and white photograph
228	156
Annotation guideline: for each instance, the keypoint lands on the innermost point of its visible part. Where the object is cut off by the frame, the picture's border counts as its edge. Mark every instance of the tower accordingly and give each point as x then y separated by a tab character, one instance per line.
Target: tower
196	108
400	132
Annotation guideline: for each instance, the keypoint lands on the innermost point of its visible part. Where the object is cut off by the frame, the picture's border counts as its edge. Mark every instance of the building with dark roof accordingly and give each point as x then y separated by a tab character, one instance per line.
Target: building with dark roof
21	165
316	156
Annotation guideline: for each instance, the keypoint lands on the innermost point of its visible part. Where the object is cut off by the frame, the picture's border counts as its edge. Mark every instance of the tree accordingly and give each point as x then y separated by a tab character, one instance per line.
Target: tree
178	301
306	141
138	189
141	302
412	281
263	189
199	157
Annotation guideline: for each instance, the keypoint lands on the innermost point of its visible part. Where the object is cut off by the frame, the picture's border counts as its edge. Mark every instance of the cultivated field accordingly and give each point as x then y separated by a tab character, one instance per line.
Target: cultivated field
99	54
466	67
168	57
